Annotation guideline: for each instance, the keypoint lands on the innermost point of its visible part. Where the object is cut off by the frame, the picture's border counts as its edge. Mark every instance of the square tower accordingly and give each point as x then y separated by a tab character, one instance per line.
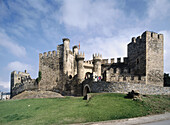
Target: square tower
145	56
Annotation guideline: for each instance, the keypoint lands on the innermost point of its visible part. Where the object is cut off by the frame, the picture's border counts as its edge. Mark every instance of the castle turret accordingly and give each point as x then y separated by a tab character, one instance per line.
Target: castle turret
97	64
80	67
75	52
66	43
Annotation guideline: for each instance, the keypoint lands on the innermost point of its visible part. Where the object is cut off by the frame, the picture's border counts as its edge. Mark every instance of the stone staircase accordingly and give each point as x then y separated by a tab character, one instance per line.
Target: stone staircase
37	94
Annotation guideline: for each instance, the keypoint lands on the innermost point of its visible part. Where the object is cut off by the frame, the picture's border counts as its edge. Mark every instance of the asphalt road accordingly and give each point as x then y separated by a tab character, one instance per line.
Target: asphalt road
161	119
165	122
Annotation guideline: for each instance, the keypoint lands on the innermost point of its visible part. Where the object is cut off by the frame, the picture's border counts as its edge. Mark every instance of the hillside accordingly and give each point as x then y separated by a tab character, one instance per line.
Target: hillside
37	94
69	110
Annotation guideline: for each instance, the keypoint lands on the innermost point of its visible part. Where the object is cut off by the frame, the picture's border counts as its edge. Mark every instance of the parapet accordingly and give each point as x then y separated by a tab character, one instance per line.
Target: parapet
89	62
138	39
152	35
80	55
133	40
54	53
50	54
105	61
125	60
97	56
118	60
147	34
112	60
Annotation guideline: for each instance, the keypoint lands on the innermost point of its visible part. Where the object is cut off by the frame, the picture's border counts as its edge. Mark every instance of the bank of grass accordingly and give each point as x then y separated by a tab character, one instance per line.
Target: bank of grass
69	110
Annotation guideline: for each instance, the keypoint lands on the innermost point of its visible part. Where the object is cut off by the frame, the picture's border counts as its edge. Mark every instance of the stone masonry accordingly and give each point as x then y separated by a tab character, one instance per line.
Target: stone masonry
65	70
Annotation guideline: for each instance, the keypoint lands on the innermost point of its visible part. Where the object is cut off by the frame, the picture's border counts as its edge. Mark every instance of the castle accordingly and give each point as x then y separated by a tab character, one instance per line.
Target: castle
66	71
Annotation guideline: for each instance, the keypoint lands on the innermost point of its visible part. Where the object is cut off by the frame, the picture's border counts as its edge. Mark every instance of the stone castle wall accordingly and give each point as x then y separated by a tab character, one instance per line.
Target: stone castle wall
64	70
122	87
50	70
137	56
28	85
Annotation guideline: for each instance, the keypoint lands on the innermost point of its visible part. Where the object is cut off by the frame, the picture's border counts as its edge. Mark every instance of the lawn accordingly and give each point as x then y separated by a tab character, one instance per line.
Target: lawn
69	110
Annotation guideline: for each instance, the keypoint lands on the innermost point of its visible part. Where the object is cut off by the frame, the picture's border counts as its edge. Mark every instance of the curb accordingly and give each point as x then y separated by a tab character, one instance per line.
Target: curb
132	121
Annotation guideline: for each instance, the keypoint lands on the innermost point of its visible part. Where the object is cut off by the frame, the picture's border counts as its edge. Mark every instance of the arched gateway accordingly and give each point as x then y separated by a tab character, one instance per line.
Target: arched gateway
86	90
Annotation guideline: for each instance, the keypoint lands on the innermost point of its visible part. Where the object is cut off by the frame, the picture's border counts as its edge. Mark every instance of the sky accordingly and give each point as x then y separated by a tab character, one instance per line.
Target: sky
30	27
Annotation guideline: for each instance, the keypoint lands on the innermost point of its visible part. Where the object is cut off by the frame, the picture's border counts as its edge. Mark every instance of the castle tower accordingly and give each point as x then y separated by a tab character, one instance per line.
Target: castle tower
97	64
66	43
154	58
145	56
13	81
80	67
75	52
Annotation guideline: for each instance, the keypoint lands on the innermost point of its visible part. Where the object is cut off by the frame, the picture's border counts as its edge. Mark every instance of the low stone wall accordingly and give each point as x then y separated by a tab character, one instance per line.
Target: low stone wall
23	87
120	87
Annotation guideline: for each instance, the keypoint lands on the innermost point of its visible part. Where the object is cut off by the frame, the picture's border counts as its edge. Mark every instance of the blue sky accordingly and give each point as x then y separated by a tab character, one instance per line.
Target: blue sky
30	27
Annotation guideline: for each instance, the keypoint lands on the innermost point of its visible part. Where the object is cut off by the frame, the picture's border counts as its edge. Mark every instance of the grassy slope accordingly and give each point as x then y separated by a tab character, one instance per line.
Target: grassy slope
73	110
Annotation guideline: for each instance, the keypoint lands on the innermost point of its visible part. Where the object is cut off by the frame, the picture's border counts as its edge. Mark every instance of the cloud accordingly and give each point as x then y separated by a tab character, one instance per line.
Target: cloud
83	14
166	34
19	66
158	9
110	47
10	45
4	86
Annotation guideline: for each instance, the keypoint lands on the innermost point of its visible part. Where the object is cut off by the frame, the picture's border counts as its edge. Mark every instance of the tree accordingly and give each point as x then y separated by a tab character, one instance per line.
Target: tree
166	79
39	79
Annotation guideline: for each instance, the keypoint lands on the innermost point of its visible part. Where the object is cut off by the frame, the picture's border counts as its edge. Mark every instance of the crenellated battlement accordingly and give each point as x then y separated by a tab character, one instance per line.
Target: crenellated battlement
129	79
122	75
113	60
97	56
49	54
105	61
88	62
147	34
80	55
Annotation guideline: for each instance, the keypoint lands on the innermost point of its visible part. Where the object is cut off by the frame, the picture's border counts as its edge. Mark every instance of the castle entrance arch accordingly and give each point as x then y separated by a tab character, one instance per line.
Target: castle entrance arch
86	90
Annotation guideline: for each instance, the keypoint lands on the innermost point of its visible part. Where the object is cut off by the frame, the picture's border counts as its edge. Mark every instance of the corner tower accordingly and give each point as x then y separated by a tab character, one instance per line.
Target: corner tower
154	58
145	57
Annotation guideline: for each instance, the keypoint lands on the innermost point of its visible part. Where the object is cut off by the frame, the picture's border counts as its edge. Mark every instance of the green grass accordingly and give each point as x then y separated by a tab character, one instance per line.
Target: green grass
75	110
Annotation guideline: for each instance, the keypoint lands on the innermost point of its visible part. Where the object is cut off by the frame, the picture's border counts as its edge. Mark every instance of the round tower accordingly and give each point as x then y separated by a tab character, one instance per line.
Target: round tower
80	68
97	64
66	43
75	50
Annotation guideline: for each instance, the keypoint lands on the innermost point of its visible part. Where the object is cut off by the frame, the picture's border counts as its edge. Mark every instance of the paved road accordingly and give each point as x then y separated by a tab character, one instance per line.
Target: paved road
165	122
162	119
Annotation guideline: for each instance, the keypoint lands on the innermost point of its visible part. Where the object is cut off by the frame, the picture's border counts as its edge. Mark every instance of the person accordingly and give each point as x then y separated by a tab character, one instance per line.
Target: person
99	78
